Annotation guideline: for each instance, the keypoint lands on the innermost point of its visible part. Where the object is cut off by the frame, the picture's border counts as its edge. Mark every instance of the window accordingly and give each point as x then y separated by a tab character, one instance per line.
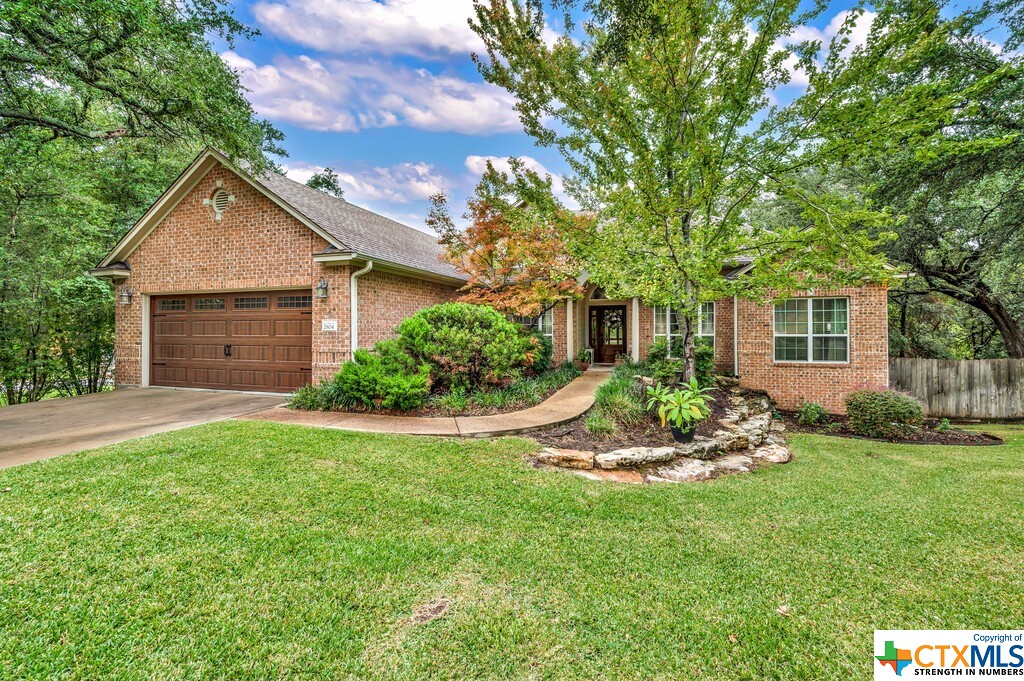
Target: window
200	304
544	323
812	330
174	305
252	303
294	301
668	330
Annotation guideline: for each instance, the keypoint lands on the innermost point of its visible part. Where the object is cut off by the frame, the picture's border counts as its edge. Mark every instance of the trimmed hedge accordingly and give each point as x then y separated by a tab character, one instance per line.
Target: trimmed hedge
884	414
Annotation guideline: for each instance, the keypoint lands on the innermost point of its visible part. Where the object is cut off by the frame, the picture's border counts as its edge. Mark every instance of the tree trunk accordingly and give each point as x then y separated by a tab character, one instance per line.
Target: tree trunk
1009	329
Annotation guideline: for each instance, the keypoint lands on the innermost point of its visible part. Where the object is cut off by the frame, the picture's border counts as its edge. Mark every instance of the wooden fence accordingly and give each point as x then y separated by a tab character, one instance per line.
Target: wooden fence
969	389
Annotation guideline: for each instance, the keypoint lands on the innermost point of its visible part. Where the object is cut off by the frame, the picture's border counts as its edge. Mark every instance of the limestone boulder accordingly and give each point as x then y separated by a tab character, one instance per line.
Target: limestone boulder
634	456
683	470
567	458
732	440
734	463
703	448
772	453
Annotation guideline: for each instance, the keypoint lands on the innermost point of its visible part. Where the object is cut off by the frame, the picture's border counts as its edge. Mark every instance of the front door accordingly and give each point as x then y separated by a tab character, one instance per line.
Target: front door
608	332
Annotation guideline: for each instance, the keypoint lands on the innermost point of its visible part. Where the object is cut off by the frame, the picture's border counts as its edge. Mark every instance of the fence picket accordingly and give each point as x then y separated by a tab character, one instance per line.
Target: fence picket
980	388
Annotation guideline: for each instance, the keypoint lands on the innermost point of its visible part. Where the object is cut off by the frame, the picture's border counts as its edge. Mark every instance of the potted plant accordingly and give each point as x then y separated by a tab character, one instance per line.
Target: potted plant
583	359
621	359
680	409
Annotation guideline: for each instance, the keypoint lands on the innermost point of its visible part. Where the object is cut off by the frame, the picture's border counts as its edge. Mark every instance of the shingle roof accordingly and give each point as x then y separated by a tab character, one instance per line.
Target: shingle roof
360	231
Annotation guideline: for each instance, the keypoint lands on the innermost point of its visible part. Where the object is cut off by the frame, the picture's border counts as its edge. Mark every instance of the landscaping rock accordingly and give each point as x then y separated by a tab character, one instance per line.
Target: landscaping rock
756	428
634	456
727	381
566	458
772	453
732	440
683	470
703	448
629	477
734	463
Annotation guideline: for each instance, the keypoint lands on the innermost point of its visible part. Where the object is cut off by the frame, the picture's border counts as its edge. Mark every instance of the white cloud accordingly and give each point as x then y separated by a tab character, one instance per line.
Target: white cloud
399	183
857	36
424	28
344	96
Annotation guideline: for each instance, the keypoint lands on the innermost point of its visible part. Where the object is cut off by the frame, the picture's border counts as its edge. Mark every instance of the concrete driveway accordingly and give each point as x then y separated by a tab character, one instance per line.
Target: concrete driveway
30	432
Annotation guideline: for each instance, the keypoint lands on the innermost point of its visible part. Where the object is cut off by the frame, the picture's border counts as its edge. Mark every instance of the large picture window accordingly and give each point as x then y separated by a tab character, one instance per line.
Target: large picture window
668	330
812	330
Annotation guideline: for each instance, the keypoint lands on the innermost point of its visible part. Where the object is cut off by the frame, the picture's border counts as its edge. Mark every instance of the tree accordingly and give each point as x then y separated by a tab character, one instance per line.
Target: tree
513	253
661	110
932	117
326	181
93	70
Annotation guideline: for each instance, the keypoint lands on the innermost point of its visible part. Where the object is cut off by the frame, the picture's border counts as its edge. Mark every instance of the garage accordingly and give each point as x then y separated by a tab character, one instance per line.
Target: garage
252	340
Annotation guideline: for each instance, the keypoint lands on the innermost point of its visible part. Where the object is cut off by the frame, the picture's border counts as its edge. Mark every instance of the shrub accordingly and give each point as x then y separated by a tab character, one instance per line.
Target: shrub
704	361
619	400
541	357
811	414
883	413
468	346
598	424
382	379
664	369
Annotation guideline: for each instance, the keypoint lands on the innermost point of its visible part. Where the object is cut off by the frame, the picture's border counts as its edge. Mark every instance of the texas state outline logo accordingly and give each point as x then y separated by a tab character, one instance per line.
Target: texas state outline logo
976	652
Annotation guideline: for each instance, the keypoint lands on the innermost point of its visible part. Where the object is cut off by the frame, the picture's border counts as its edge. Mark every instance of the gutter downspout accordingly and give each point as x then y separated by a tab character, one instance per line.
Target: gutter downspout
735	338
353	289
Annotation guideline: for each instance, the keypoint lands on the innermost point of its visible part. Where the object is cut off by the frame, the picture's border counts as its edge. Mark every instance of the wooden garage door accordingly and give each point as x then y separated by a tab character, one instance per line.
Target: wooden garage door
260	340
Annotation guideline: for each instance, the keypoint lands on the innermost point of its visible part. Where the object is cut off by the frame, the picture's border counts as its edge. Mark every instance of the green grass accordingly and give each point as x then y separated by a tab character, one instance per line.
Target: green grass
242	549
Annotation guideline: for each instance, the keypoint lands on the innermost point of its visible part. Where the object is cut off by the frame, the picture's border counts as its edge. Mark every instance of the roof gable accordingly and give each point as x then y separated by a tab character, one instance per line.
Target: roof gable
347	228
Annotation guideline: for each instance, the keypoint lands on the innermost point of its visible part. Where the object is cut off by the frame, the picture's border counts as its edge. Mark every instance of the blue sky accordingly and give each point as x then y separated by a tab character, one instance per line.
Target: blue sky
384	92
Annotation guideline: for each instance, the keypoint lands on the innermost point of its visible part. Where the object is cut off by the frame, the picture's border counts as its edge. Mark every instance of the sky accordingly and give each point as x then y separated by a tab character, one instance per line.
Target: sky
385	93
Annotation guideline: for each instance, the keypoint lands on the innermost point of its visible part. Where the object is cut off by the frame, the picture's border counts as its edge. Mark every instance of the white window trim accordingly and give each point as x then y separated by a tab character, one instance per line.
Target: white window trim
534	324
810	335
700	315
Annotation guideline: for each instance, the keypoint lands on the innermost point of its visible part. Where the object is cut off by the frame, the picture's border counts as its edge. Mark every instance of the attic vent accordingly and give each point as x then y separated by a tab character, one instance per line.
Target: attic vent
220	202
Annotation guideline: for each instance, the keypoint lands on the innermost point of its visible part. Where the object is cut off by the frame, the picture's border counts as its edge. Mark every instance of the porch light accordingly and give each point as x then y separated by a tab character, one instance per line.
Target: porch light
320	290
124	296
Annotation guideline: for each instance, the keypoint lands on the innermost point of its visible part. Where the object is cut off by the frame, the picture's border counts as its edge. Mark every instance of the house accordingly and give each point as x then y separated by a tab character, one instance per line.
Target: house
233	281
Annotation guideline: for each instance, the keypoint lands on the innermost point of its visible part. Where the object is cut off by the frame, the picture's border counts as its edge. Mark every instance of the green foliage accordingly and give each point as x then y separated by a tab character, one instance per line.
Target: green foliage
545	351
83	330
582	356
520	394
380	380
619	400
468	346
883	413
108	70
921	92
683	408
599	425
811	414
944	426
326	181
661	112
704	354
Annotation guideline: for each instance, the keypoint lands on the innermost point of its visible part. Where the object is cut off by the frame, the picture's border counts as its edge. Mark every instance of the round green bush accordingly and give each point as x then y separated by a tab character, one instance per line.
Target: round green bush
468	346
884	414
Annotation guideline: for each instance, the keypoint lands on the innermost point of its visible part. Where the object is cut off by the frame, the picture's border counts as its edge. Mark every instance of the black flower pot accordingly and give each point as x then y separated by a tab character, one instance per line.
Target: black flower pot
683	435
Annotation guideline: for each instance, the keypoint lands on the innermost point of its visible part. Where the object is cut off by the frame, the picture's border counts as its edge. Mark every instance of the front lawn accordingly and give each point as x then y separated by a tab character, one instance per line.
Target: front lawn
246	549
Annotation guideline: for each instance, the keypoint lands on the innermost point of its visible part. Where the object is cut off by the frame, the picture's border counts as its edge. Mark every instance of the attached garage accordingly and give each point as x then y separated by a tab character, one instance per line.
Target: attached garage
239	281
252	340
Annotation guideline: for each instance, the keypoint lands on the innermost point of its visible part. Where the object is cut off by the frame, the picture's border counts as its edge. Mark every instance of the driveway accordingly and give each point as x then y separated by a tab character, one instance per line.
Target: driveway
30	432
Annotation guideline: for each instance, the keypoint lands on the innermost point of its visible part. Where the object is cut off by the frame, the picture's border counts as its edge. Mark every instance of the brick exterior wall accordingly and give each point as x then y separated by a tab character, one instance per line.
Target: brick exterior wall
385	299
723	336
255	245
789	383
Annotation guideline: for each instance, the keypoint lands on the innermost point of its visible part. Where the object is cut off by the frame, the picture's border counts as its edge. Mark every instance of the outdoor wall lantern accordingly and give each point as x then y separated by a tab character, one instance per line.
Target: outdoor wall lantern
321	288
125	295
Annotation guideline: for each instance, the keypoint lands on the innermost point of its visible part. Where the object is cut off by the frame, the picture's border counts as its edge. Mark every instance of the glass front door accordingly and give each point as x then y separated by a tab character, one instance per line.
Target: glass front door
608	332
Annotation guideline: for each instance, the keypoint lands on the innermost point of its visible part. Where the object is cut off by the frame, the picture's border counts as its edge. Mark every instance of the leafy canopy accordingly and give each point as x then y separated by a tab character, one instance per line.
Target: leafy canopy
514	251
662	110
108	69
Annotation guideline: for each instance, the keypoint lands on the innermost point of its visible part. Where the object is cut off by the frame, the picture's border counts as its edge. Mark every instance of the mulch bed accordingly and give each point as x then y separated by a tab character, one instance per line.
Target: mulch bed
838	426
649	433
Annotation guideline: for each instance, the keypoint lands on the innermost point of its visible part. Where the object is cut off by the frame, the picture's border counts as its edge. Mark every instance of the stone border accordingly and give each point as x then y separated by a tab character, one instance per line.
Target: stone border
748	439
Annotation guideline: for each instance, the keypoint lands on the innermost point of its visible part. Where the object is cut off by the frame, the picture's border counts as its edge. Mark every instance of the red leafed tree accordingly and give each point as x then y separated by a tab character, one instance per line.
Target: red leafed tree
513	252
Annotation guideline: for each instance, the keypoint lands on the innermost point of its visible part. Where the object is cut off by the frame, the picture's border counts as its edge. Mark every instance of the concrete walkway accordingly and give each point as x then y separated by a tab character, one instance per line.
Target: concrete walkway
562	407
30	432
